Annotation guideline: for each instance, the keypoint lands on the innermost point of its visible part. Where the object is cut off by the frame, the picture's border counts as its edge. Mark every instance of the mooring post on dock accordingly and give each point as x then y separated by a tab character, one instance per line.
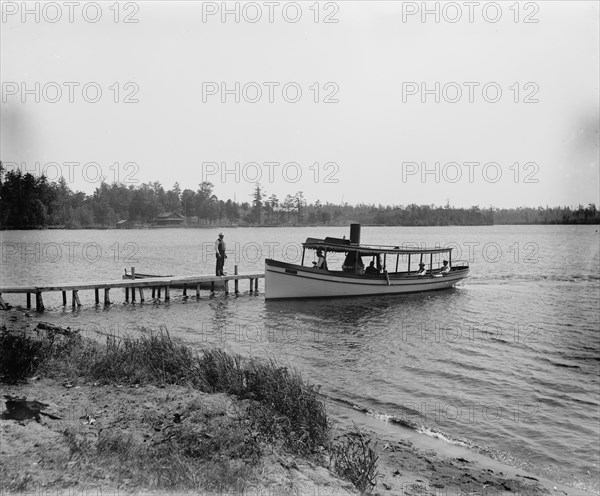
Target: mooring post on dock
235	271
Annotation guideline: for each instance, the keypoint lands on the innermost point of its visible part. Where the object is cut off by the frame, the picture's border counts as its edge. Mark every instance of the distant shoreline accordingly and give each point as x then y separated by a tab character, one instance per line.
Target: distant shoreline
29	202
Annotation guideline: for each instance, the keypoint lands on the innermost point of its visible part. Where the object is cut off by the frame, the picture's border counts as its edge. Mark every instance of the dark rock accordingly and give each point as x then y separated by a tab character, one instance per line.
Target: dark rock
22	409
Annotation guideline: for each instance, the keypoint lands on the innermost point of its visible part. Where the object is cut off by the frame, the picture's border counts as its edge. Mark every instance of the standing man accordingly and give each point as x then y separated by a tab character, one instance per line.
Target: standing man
220	254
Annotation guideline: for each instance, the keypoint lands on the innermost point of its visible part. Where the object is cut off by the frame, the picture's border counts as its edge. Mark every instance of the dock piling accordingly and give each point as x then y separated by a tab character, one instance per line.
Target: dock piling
75	299
39	302
132	290
235	271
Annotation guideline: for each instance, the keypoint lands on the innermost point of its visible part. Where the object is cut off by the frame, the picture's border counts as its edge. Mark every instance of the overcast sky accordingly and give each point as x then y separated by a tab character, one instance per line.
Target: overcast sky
362	102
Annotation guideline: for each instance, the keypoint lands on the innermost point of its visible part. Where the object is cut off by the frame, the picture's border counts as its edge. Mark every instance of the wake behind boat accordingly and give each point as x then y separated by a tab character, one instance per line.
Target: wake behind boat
391	270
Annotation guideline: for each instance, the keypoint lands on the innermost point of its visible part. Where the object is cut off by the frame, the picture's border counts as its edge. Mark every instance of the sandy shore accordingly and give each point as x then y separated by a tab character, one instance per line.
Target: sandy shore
412	463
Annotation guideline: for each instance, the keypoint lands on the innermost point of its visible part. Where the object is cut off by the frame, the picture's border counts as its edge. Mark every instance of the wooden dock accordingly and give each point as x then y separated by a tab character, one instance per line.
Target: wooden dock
157	285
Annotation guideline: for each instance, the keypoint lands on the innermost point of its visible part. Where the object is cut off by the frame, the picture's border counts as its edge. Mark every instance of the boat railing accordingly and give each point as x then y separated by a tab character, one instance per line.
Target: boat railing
401	249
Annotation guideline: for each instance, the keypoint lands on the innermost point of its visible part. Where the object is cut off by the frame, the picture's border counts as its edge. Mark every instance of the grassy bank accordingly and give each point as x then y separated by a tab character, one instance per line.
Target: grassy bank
163	417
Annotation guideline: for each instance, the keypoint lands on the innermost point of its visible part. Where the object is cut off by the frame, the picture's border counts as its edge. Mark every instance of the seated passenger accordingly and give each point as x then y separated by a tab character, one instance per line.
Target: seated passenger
446	267
422	270
371	269
321	263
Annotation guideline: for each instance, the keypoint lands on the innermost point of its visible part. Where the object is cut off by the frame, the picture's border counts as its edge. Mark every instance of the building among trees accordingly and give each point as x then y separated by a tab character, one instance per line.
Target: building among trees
169	219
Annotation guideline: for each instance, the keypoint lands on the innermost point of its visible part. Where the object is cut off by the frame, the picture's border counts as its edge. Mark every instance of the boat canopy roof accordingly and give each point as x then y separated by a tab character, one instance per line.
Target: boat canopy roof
344	245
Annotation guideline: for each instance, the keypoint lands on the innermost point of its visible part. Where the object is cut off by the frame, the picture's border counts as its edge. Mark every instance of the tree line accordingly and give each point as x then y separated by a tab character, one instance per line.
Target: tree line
28	201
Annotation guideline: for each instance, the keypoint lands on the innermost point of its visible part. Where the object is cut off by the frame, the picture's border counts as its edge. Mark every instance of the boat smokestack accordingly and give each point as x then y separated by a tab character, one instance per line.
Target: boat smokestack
355	234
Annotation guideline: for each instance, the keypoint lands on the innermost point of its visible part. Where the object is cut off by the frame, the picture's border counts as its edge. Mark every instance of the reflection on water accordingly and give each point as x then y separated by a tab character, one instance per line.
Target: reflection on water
507	360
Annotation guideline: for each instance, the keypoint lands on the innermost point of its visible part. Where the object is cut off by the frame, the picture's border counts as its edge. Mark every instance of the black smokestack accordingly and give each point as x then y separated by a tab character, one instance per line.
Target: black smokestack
355	234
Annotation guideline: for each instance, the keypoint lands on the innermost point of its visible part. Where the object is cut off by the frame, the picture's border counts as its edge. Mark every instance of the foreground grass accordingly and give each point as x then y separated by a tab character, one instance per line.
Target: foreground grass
275	410
211	449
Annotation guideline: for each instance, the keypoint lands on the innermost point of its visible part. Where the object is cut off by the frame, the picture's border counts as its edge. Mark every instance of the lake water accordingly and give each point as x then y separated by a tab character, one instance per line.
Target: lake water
508	362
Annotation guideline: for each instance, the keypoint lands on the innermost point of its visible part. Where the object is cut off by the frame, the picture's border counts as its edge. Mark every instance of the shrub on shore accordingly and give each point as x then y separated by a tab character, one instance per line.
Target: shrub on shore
19	357
150	358
22	356
295	412
355	459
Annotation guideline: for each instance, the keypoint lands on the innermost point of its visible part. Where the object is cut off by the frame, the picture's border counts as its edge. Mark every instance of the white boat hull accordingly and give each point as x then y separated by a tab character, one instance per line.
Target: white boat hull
283	281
